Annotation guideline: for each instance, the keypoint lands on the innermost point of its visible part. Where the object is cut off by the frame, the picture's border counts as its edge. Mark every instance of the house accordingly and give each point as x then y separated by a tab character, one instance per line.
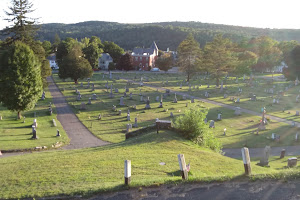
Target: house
52	61
104	60
144	58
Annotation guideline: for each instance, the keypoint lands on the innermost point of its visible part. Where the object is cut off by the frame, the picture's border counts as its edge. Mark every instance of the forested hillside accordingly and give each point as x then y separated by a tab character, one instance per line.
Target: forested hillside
166	34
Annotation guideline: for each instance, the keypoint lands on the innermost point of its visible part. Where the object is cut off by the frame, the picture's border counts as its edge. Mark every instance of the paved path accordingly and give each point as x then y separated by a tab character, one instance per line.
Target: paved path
80	136
236	153
265	190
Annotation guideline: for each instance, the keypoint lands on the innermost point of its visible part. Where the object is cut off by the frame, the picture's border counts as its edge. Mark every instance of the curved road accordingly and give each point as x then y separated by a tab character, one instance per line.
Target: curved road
80	136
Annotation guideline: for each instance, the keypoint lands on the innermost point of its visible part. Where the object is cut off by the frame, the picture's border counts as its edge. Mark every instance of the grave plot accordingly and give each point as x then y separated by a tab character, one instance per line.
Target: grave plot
19	134
121	114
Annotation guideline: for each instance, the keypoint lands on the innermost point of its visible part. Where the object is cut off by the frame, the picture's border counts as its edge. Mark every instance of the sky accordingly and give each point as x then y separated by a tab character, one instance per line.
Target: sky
251	13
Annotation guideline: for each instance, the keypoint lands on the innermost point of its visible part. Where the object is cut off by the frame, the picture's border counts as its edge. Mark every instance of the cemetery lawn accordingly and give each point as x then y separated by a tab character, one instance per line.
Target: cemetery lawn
240	129
94	170
16	135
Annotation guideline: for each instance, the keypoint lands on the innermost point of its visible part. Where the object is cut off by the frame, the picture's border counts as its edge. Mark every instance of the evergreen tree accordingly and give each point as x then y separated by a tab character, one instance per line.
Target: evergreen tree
219	57
20	78
189	55
23	28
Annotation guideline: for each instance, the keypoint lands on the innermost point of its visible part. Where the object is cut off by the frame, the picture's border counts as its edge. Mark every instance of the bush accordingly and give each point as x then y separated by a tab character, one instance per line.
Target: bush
192	126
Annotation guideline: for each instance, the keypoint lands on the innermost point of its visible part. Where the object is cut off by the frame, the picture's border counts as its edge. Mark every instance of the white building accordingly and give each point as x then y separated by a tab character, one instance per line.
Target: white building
52	61
104	60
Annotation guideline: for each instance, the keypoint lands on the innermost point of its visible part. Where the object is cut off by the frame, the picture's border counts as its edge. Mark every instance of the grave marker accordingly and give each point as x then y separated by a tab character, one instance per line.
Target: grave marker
246	160
182	166
127	171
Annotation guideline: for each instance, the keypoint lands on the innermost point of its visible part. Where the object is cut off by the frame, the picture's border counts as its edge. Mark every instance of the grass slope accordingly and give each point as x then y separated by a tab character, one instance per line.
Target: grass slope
93	170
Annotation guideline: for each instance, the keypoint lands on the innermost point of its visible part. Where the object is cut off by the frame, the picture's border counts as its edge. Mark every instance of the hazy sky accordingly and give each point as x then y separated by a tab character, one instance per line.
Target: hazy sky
254	13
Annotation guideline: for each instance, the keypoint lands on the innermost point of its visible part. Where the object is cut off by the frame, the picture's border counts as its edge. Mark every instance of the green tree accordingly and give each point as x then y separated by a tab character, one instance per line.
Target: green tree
64	48
47	47
126	62
92	54
293	70
20	78
286	47
74	66
113	50
164	62
269	55
23	28
219	57
189	55
246	59
56	42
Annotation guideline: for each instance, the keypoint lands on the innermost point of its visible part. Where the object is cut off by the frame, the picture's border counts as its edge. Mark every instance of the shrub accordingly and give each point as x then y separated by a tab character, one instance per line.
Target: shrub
192	126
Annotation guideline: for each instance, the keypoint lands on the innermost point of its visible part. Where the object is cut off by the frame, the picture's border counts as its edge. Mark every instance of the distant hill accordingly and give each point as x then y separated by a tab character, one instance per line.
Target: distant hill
166	34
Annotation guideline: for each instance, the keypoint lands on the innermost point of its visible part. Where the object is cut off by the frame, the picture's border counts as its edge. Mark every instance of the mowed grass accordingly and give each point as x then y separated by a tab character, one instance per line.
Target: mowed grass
16	135
241	130
87	171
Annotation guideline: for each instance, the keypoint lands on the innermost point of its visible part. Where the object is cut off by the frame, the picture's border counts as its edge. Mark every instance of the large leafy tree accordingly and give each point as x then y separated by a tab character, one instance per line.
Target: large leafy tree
114	50
246	59
92	53
126	62
286	47
20	78
64	48
23	28
219	57
164	62
47	47
293	70
269	55
74	66
189	55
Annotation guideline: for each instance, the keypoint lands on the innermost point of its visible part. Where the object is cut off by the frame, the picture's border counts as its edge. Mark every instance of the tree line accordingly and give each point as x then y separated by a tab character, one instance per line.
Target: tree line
222	56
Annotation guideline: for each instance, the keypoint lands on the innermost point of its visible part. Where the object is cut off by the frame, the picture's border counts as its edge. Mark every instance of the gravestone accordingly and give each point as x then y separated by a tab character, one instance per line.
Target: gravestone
78	97
296	137
212	124
35	124
142	99
99	117
114	108
90	101
130	96
264	161
237	100
175	99
125	95
128	116
82	106
168	92
120	112
57	133
237	111
297	113
122	101
148	104
34	136
225	96
180	86
116	90
94	97
192	100
219	117
93	87
253	98
292	162
171	114
161	102
135	125
157	98
81	84
273	136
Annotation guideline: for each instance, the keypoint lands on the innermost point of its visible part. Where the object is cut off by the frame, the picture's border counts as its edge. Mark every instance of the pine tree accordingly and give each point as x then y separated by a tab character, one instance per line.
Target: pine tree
189	55
23	28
